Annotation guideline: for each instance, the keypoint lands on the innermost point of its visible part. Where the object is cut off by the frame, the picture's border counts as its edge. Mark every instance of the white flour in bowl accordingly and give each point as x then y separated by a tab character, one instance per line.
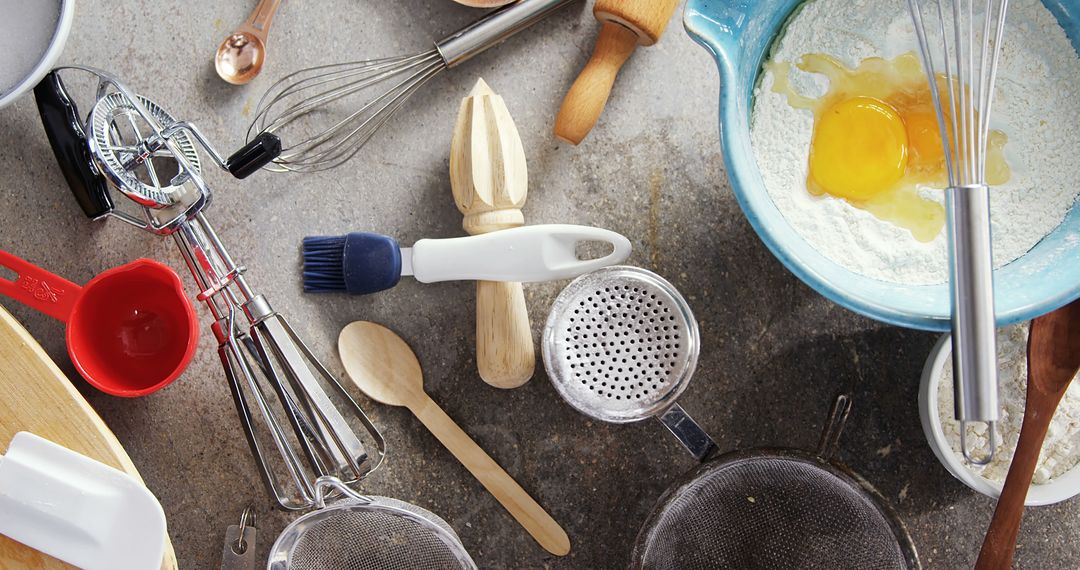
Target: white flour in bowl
1061	448
1037	104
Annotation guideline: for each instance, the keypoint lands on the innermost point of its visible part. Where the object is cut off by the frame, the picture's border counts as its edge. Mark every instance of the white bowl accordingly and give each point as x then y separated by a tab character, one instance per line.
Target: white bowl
56	46
1066	486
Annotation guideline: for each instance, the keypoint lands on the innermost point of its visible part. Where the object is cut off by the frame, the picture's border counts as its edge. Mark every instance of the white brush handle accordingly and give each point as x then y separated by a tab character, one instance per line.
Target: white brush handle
526	254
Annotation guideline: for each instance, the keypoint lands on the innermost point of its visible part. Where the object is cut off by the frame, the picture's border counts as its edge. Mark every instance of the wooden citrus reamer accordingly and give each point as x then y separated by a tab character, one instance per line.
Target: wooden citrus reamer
625	25
490	181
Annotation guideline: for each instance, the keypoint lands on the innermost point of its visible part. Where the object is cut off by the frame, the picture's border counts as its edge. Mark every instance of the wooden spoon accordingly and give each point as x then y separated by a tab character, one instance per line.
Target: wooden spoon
383	366
38	398
1053	361
240	56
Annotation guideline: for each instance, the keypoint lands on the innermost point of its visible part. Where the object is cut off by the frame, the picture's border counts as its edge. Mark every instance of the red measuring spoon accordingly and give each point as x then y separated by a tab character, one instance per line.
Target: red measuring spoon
130	331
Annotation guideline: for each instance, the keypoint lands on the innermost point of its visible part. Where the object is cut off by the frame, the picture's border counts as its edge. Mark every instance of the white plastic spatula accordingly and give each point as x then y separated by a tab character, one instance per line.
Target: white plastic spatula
77	509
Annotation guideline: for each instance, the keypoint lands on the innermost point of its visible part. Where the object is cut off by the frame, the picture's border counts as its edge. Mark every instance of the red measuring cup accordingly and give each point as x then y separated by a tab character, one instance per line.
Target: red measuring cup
130	331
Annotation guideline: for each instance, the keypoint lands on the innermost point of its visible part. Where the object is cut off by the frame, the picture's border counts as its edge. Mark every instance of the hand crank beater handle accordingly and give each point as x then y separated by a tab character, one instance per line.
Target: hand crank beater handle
262	150
60	118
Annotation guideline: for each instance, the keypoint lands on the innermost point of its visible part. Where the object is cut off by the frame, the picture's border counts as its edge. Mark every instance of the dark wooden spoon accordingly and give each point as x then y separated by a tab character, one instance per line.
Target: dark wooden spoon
1053	360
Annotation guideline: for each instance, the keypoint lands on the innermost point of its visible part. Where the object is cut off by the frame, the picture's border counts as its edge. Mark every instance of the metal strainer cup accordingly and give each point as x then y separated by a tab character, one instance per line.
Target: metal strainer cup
620	345
775	508
367	533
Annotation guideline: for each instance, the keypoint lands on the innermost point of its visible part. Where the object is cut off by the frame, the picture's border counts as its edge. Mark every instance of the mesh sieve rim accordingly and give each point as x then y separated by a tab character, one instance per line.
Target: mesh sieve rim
551	339
292	534
856	482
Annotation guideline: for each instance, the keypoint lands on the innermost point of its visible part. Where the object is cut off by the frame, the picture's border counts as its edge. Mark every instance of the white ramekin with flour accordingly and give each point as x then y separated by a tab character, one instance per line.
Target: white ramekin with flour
935	412
32	36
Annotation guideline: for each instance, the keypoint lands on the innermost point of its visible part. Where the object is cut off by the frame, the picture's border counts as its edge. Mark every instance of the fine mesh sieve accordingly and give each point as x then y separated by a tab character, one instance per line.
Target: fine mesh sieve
367	533
775	508
620	345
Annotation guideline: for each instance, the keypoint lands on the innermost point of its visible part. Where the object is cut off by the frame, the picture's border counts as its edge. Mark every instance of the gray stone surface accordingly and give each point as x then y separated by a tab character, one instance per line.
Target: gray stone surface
774	352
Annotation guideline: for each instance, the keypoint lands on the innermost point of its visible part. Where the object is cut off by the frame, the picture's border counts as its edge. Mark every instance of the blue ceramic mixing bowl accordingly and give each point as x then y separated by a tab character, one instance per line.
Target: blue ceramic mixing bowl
739	34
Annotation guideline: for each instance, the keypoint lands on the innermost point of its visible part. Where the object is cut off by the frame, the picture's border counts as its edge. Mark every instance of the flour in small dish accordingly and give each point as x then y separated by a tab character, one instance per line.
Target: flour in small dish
1061	448
1037	104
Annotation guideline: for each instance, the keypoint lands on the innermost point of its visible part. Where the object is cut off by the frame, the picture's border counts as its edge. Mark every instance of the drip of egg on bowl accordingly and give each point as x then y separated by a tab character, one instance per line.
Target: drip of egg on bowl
876	139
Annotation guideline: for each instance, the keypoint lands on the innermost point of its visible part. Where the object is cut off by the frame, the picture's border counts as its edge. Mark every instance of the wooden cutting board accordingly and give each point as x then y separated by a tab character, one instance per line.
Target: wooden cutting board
35	396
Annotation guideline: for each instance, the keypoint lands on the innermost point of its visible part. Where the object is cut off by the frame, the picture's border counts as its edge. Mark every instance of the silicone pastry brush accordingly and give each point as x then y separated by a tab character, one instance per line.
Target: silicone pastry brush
490	182
625	24
361	263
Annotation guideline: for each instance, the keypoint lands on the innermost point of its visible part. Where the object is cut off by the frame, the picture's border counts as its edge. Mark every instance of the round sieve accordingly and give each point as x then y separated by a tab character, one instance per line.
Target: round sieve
367	533
775	508
620	344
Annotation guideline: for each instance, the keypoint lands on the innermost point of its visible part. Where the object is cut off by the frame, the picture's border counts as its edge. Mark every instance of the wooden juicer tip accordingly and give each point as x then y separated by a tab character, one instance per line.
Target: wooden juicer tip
625	24
490	181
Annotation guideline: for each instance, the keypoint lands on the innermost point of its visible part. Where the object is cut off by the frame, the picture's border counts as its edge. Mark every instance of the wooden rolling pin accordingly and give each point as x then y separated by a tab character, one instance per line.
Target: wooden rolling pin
38	398
490	181
625	24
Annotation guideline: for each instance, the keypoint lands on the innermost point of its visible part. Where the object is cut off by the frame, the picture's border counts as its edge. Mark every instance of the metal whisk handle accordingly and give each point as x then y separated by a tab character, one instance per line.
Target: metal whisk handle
972	290
494	28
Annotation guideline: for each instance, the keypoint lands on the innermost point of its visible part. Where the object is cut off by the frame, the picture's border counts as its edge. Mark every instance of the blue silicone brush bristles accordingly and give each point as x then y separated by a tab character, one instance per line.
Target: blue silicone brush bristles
323	267
358	263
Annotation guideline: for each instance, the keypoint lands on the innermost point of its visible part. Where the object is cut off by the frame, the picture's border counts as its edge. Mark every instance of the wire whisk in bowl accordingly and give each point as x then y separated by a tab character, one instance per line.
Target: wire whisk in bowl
960	44
325	114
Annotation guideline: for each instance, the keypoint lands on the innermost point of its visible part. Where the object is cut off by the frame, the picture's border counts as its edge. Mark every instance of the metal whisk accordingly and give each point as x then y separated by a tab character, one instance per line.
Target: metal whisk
317	136
133	145
962	76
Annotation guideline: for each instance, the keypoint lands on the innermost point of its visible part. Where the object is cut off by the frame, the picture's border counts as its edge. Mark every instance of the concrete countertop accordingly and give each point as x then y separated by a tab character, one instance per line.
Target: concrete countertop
774	352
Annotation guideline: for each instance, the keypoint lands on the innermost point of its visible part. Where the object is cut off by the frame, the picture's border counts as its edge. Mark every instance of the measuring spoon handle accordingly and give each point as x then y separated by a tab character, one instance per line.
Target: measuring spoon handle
37	288
510	495
262	16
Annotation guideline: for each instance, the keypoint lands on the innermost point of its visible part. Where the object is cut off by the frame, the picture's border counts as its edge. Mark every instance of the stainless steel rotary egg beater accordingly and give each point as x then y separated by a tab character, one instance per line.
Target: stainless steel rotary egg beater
286	398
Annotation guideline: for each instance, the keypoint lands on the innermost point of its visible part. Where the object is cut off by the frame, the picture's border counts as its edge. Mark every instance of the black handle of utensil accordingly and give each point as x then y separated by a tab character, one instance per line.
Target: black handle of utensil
262	150
60	118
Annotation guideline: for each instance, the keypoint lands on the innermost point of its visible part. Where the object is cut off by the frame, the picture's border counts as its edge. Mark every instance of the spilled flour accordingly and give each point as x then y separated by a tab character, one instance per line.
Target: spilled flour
1037	104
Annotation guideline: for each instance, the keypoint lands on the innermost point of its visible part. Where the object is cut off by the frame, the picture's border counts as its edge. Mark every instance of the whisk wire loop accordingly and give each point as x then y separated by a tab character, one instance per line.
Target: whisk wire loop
297	101
335	146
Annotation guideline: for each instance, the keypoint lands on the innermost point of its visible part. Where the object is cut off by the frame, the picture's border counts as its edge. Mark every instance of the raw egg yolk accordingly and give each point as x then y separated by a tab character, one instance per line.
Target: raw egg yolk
876	141
859	149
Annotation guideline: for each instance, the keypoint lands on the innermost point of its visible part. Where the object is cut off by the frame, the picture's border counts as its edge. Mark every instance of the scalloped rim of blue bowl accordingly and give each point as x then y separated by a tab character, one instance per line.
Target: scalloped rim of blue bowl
739	34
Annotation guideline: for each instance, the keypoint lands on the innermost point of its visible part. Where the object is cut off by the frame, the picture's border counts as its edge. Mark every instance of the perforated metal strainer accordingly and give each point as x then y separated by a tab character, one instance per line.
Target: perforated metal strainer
367	533
620	345
775	508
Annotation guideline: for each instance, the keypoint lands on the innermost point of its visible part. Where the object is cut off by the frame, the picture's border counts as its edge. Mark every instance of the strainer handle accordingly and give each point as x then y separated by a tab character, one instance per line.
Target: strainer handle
830	436
688	432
